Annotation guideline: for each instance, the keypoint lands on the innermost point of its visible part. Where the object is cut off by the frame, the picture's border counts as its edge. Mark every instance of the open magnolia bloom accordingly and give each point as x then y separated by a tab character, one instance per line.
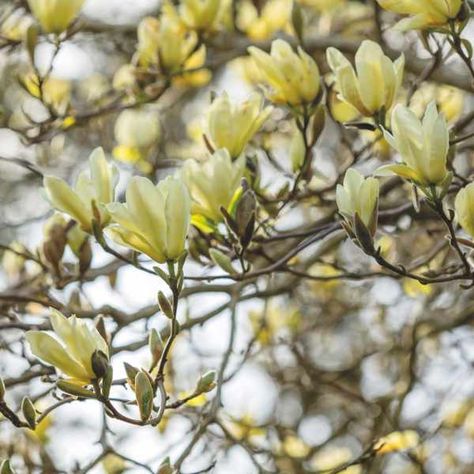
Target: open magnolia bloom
93	190
232	126
464	207
374	83
71	348
154	220
423	146
425	13
55	16
167	44
358	196
293	78
212	185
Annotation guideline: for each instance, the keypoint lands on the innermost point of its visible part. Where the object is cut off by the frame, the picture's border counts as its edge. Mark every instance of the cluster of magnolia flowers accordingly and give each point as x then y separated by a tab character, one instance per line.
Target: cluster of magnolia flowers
155	219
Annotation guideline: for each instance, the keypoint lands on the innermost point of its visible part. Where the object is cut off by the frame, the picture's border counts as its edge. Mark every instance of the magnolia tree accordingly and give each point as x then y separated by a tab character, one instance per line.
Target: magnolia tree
264	266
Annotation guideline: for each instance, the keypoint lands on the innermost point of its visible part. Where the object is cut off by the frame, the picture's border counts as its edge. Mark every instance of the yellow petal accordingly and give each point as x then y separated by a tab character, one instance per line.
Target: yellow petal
48	349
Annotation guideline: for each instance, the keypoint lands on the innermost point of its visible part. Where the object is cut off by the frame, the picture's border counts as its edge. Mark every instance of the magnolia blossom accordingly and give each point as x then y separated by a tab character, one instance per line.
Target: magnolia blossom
293	78
374	83
55	16
232	125
94	189
70	348
213	183
154	220
423	146
167	44
358	195
425	13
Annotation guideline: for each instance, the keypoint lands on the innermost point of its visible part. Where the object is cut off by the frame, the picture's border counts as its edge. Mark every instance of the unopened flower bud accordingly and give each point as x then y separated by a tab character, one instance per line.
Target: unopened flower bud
207	382
74	389
131	372
165	467
165	305
222	261
107	381
144	395
29	412
100	363
155	345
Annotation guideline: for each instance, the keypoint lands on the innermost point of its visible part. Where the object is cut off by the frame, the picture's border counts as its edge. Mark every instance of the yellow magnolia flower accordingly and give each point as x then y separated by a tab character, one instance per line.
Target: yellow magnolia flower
199	14
358	195
292	77
212	184
423	146
55	16
154	220
464	206
450	101
165	43
71	347
175	45
375	85
274	16
426	13
232	125
93	190
397	441
136	132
